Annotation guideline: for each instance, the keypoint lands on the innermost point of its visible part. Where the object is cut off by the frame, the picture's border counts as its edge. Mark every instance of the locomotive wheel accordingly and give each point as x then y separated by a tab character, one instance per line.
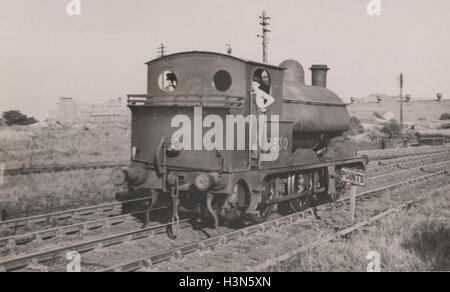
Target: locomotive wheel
263	209
302	203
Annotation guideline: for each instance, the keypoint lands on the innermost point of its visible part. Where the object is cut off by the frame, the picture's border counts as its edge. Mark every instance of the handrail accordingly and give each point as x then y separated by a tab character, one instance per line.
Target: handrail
157	155
217	101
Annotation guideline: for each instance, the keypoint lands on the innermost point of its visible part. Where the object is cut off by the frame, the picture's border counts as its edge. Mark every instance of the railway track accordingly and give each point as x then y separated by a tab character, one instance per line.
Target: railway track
393	161
404	162
112	212
102	242
342	233
373	154
221	239
401	152
63	167
56	218
105	224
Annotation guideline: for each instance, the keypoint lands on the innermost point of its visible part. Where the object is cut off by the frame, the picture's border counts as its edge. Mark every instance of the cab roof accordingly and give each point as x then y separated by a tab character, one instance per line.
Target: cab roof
250	62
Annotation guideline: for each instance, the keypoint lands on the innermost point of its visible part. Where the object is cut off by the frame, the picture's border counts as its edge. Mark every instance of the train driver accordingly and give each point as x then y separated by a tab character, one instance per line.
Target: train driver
263	100
171	81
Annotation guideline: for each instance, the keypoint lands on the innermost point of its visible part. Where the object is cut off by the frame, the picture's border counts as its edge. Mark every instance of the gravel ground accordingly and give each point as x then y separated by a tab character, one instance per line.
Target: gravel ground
245	253
225	258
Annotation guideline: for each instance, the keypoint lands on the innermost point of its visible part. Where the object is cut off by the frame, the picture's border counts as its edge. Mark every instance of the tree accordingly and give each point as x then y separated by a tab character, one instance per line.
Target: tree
391	129
17	118
445	116
356	127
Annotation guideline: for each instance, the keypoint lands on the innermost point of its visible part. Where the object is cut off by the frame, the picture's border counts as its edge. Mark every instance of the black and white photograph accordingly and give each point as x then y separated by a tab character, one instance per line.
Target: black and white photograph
224	143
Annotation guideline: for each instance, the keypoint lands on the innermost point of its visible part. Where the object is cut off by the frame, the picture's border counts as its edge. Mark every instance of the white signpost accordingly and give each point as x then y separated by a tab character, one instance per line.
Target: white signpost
355	177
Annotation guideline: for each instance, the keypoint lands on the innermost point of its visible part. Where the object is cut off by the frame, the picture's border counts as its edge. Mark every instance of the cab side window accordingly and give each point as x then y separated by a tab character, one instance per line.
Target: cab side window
167	81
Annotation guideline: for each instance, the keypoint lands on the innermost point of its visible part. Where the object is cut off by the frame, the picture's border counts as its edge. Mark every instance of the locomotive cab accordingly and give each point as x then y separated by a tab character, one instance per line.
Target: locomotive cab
177	97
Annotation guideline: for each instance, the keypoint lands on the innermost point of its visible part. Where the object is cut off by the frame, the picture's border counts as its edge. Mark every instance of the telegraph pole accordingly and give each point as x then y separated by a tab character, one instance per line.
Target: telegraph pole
161	50
400	80
265	40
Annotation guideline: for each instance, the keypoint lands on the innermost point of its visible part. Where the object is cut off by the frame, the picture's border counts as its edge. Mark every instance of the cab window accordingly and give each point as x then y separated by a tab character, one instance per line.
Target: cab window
167	81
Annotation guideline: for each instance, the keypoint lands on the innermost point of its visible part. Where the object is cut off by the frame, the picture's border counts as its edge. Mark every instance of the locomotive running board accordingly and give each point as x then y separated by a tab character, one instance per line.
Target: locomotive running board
298	167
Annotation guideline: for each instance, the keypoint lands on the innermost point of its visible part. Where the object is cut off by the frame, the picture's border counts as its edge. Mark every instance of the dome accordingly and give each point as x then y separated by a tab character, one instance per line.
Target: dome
294	71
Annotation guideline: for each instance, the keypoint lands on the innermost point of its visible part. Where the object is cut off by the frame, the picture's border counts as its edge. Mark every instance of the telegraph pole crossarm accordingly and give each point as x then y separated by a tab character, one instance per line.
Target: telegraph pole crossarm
265	40
161	50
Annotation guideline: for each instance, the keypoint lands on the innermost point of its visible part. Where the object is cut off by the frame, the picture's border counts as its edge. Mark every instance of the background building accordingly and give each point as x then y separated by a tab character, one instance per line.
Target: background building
69	111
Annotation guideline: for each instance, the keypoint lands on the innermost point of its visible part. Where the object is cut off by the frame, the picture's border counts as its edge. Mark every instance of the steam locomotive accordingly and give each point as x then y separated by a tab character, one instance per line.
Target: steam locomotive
222	182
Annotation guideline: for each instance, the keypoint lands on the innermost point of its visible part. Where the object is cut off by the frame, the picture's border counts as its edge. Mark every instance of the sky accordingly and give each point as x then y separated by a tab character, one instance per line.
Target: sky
100	54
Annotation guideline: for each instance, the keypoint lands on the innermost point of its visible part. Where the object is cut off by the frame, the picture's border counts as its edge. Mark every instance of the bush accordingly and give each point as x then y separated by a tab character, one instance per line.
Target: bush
429	240
17	118
377	115
356	127
391	129
445	116
445	126
433	134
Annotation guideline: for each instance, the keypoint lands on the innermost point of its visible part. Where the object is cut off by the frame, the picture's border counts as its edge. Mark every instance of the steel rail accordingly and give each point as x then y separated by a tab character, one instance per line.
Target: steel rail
408	169
80	228
398	153
406	160
63	167
67	214
106	223
178	252
271	262
119	238
21	261
53	254
63	215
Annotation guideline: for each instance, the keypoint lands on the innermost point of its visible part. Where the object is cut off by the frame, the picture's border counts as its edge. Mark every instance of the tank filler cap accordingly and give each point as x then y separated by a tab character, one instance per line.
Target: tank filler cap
294	71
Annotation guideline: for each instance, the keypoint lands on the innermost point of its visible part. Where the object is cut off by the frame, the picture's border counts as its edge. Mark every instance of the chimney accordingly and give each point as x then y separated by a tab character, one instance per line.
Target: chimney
319	75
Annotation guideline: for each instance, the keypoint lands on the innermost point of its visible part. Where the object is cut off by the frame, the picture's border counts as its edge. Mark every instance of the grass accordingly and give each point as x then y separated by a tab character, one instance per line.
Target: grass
445	116
434	133
412	111
430	242
424	115
50	144
42	193
445	126
25	145
414	240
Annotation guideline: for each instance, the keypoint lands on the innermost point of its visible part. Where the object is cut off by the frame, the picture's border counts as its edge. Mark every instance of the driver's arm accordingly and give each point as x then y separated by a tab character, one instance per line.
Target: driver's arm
269	99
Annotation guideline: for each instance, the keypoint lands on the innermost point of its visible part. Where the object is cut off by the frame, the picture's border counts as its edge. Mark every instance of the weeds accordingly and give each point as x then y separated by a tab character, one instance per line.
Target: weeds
22	146
414	240
42	193
445	116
